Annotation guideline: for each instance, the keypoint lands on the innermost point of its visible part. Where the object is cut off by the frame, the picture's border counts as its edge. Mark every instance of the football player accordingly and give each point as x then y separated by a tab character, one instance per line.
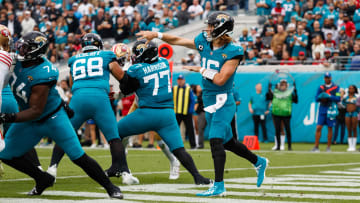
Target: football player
149	77
89	80
42	113
123	55
220	58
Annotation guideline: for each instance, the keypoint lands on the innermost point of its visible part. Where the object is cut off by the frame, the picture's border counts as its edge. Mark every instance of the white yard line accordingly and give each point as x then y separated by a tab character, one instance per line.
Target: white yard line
156	197
202	170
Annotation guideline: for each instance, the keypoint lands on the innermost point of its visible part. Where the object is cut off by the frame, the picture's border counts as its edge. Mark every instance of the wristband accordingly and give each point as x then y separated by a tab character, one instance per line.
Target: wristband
159	35
209	74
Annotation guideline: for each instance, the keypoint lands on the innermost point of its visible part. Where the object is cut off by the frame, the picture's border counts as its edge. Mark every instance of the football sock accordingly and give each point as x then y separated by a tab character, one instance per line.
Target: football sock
26	166
282	141
187	161
219	158
117	150
32	157
94	171
241	150
165	149
57	155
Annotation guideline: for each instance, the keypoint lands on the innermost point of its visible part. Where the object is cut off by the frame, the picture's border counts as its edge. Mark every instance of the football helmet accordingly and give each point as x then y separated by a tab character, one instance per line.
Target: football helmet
223	24
5	38
31	46
91	42
145	52
122	52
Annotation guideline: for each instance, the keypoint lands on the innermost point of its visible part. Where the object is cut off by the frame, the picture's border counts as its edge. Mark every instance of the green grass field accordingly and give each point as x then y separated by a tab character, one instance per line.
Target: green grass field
296	176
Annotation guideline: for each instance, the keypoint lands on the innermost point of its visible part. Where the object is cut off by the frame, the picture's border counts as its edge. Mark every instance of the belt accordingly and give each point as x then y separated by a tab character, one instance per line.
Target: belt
51	113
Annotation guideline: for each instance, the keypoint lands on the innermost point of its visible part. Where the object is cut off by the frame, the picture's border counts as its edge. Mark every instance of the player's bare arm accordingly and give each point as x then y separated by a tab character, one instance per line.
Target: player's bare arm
171	39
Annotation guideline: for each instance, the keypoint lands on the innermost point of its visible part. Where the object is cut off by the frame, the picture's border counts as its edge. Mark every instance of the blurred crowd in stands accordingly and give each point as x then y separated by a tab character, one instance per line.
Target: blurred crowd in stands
65	22
304	32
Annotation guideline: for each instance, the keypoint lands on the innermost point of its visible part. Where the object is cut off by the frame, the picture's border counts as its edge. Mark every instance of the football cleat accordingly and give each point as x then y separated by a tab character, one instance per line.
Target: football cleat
260	167
46	181
129	179
174	170
218	189
115	193
112	173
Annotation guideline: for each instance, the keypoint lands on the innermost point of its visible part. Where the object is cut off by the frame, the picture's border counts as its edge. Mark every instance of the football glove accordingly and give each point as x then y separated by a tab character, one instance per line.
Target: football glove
7	117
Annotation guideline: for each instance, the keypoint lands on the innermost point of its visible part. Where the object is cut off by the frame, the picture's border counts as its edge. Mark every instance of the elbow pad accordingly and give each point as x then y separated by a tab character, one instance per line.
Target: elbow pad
128	84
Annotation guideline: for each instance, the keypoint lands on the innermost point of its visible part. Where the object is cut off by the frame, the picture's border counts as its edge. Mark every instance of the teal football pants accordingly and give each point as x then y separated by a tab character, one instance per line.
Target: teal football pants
94	103
162	121
22	137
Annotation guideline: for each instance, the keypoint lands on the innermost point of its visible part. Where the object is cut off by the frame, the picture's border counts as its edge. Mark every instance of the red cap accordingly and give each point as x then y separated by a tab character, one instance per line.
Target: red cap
301	53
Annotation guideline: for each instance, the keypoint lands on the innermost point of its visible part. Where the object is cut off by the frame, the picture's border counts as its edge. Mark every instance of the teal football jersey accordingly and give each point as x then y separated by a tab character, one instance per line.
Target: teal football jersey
215	59
155	87
91	69
23	79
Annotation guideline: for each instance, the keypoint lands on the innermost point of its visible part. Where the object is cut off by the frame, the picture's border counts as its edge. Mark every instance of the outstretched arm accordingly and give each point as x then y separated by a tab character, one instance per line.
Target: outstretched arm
171	39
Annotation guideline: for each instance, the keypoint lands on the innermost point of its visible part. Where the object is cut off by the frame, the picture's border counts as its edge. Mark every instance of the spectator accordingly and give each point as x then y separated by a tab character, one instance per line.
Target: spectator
14	26
318	46
263	7
61	31
171	21
278	10
278	52
340	120
287	60
282	99
251	60
150	17
233	6
327	95
156	26
299	42
49	32
259	108
184	102
78	15
191	60
28	23
207	10
52	12
129	10
107	26
142	7
245	36
289	6
71	21
85	8
279	38
183	15
122	31
195	10
350	29
351	116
